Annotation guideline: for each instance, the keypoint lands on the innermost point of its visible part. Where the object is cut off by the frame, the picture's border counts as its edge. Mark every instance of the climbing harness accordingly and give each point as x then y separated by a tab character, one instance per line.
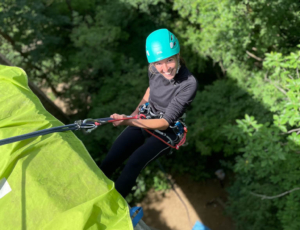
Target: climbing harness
180	128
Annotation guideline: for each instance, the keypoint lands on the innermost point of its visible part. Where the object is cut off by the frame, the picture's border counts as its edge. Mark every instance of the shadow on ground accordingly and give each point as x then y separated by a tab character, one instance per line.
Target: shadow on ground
165	211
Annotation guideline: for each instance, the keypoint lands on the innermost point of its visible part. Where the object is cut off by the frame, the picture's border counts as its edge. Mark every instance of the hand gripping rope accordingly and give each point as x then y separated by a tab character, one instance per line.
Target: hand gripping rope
87	126
106	120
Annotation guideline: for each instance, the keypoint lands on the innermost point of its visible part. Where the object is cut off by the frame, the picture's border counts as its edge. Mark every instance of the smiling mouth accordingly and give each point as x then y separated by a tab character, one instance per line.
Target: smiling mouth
168	73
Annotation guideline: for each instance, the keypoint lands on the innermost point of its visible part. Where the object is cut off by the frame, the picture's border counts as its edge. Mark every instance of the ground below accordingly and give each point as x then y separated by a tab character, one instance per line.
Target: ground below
204	201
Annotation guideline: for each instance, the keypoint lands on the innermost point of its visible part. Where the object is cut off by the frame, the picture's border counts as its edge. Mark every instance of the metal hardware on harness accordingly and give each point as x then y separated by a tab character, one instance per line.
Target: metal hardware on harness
165	135
145	110
180	128
87	125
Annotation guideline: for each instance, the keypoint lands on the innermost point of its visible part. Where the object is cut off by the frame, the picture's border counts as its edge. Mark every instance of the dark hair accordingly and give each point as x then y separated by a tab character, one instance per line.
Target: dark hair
182	61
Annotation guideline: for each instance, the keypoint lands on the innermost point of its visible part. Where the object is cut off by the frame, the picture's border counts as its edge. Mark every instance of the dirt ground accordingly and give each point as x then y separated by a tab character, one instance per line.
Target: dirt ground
204	201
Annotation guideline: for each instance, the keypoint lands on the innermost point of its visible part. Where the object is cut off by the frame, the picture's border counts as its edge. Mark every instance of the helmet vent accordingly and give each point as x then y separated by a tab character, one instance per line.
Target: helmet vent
171	37
171	45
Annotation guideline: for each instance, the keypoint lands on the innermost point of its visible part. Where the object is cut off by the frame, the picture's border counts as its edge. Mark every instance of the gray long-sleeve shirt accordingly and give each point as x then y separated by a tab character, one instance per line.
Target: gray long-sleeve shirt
171	97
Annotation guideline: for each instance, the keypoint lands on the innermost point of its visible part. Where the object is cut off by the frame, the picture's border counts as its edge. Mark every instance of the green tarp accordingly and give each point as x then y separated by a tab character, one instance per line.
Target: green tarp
49	182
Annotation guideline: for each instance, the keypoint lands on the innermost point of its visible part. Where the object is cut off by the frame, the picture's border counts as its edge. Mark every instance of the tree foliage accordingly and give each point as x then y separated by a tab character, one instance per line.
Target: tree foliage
252	41
244	54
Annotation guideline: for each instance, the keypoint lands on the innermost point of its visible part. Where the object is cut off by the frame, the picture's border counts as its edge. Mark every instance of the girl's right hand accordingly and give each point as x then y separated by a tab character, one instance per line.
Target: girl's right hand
118	116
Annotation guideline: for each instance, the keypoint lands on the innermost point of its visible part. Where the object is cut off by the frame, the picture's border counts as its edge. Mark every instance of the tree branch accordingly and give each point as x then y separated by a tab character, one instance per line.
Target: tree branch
69	5
283	144
222	67
4	60
263	197
280	89
293	130
254	56
7	38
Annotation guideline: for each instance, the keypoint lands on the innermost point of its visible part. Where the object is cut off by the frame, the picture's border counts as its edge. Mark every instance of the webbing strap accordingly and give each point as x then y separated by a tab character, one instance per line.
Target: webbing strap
39	133
138	216
87	125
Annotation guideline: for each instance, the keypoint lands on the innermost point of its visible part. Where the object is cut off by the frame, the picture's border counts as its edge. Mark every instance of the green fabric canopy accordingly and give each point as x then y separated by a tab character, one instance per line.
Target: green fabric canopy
49	182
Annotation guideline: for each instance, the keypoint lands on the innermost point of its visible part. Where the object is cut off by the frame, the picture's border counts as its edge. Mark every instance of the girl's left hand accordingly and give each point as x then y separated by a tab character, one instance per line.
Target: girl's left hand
118	116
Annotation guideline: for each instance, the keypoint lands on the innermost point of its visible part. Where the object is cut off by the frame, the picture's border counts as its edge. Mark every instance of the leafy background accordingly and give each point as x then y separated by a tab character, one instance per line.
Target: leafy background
244	54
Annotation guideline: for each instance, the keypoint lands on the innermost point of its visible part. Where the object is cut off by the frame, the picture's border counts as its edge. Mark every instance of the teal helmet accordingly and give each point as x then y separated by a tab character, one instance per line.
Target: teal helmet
161	44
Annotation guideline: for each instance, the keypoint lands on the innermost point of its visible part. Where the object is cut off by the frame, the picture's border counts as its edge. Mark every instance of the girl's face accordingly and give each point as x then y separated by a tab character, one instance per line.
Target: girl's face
167	67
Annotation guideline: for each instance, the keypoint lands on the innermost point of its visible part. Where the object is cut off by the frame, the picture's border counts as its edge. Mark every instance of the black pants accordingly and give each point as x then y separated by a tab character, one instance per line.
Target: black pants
131	143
